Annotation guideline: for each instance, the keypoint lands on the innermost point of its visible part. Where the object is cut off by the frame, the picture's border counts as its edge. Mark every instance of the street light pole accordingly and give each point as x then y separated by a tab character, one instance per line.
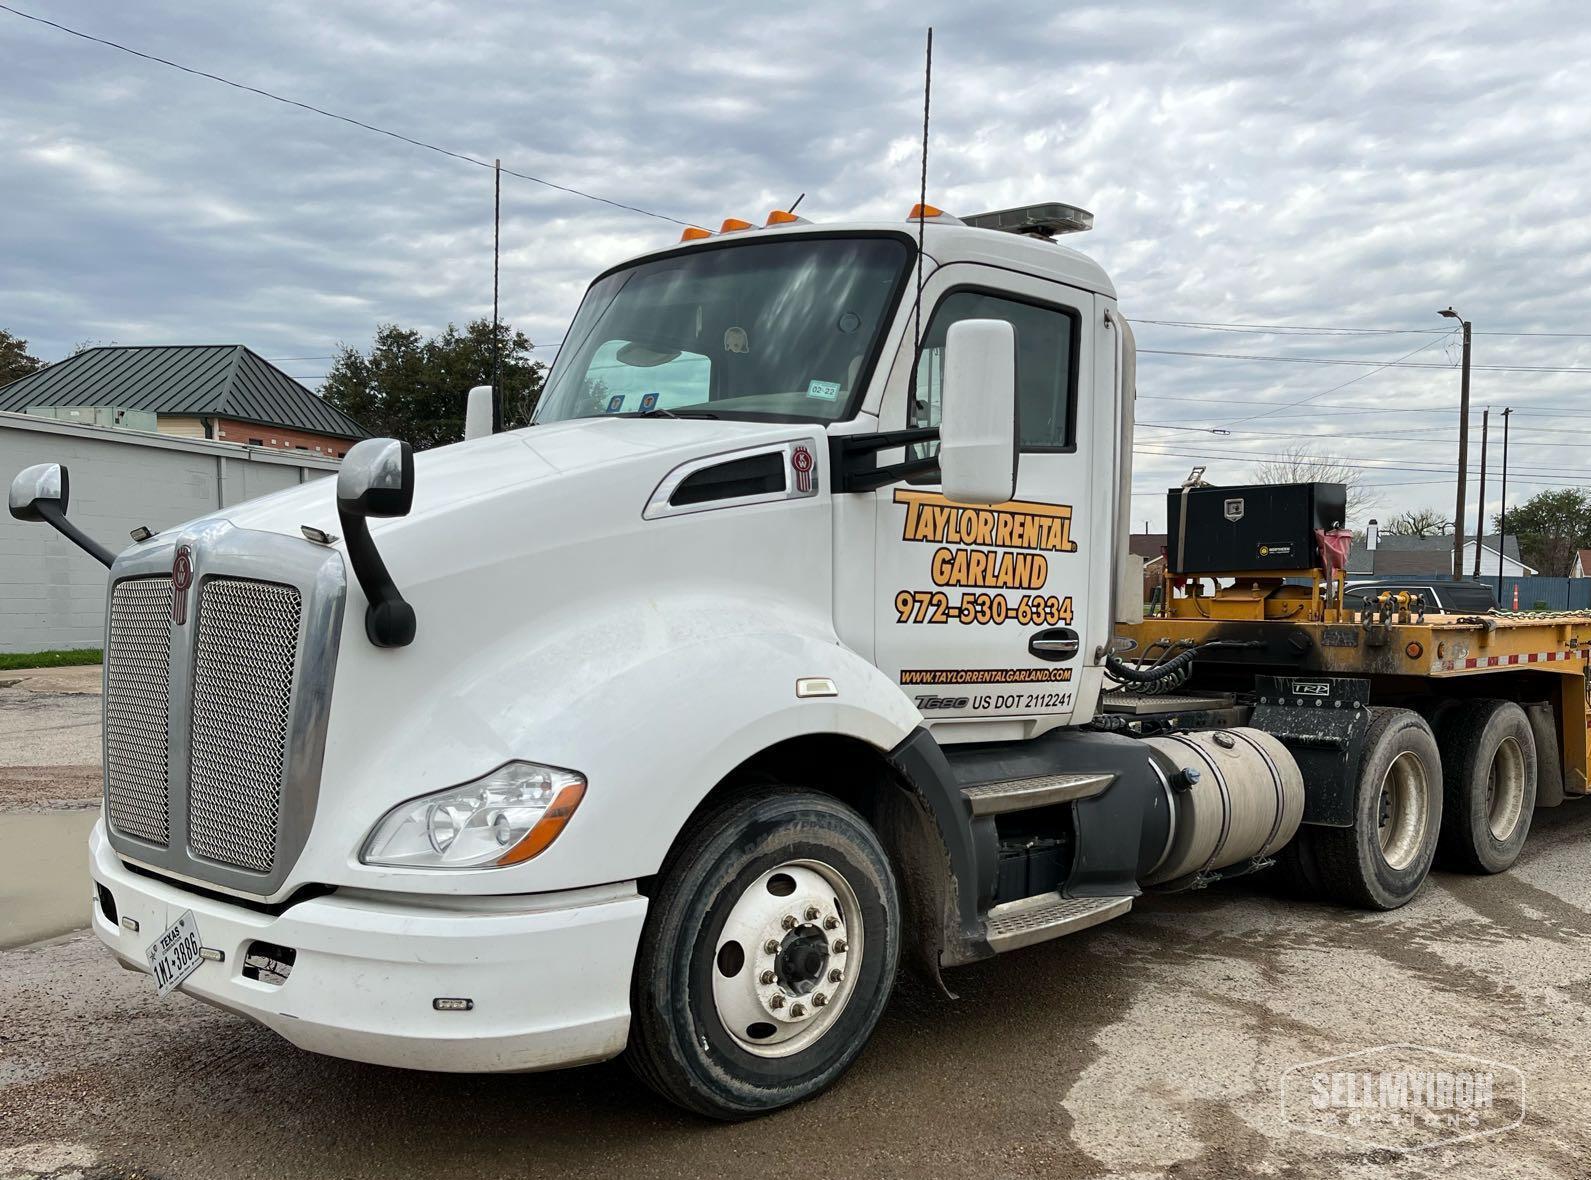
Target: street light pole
1502	515
1463	450
1480	509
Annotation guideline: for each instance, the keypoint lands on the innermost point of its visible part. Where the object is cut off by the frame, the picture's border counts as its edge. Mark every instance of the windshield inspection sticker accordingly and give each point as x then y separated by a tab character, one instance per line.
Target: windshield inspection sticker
616	403
827	390
648	402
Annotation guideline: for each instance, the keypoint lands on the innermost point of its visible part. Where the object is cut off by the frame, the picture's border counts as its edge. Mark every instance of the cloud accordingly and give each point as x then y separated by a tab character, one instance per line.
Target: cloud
1307	164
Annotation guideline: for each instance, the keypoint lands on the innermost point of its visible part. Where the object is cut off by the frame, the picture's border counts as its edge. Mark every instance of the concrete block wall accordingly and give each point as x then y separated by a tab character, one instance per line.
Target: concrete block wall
52	594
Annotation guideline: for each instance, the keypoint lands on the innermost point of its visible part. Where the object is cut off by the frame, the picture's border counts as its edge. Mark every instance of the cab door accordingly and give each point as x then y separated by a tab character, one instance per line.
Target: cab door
982	611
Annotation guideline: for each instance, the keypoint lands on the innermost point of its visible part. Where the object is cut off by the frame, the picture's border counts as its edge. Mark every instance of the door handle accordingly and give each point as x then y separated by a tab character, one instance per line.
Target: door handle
1057	643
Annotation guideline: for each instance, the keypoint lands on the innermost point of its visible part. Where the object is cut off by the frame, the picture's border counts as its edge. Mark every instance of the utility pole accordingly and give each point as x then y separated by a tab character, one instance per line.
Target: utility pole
1480	509
1502	515
1463	449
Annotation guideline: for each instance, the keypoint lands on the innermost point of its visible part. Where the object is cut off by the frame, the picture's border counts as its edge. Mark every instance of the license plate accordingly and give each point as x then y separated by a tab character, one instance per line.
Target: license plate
175	954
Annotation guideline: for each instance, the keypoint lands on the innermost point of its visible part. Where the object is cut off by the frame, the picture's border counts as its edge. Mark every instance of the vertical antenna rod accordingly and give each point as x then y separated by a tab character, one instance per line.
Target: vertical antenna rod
922	211
497	239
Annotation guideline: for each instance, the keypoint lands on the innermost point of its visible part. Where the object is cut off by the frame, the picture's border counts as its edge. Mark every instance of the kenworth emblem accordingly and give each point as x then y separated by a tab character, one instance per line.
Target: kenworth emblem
801	460
181	579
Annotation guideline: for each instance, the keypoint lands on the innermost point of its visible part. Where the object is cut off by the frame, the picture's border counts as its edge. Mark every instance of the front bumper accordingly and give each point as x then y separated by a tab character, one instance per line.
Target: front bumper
549	974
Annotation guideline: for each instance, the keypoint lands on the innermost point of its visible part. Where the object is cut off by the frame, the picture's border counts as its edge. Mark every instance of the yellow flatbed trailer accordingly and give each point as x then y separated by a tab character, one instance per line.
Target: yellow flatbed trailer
1535	657
1493	708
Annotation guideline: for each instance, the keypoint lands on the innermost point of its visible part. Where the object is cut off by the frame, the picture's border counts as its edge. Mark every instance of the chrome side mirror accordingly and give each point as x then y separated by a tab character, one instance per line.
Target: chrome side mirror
377	479
40	494
37	486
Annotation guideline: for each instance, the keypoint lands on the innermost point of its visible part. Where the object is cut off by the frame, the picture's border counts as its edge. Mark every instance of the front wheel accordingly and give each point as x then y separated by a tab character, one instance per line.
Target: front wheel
767	958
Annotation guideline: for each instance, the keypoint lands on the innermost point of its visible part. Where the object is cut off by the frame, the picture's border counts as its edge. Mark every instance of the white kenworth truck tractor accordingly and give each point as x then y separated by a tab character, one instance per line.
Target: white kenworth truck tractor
775	654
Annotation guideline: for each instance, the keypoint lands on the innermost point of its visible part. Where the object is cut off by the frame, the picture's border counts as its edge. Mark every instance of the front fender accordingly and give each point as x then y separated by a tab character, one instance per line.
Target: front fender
654	708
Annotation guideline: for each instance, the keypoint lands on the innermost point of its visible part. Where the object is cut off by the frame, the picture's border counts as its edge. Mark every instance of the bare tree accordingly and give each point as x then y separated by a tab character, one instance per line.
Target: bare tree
1303	463
1419	522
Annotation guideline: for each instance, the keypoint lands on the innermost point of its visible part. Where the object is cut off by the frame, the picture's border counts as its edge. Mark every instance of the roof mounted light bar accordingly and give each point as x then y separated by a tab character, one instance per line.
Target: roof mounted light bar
1041	221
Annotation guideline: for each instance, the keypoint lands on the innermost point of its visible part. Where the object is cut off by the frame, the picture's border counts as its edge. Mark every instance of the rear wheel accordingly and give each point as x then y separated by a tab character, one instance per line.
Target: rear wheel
767	958
1381	862
1489	771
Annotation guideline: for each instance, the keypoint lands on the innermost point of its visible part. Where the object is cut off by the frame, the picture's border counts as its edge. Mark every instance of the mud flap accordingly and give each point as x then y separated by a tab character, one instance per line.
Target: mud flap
1322	720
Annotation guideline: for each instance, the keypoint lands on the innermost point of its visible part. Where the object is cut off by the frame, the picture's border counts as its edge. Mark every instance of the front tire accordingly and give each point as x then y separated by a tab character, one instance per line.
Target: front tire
768	955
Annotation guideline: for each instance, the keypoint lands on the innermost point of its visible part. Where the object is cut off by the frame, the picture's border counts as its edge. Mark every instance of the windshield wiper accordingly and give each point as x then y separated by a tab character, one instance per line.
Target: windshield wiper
660	412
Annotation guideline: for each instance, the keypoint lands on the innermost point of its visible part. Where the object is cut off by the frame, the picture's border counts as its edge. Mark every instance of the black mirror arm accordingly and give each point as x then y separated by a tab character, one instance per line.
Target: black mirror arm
52	515
389	619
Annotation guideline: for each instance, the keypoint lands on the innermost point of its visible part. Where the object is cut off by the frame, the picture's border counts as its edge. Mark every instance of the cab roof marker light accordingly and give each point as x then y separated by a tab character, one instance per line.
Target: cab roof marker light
734	225
695	233
933	213
784	217
1044	220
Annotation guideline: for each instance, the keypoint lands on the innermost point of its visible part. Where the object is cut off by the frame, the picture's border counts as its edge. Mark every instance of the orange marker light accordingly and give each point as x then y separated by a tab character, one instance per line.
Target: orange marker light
924	211
732	224
548	827
781	217
695	233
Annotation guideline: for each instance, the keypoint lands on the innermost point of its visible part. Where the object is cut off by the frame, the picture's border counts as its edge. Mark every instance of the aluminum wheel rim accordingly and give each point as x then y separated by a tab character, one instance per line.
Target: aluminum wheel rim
1505	789
794	935
1404	809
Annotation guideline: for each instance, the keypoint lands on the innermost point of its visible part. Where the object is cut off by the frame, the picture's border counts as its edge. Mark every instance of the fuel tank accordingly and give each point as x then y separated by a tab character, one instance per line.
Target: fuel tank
1236	795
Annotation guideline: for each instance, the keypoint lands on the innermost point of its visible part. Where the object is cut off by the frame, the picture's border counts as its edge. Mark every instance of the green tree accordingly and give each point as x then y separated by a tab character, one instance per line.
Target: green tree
1551	526
15	363
414	388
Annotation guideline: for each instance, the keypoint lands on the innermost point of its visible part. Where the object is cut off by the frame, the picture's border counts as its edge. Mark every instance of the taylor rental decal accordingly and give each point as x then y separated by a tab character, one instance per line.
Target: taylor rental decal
181	580
1002	547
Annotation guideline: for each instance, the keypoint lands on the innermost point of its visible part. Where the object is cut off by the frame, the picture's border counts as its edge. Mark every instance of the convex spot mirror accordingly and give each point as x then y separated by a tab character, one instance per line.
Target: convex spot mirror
44	485
977	431
377	479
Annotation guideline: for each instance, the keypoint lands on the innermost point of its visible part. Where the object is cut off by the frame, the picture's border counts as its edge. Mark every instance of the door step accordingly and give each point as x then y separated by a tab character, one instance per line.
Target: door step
1014	924
1023	793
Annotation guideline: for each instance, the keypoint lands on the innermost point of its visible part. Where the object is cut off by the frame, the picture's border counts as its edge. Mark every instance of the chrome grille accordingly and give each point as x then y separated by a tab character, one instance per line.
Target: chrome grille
137	694
245	650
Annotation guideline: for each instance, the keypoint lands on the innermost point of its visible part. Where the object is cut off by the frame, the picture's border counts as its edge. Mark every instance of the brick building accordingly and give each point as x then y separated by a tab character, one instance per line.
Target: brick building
224	392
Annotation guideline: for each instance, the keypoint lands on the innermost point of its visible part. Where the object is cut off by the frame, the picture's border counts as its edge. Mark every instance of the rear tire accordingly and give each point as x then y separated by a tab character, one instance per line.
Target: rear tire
1381	862
727	1027
1489	769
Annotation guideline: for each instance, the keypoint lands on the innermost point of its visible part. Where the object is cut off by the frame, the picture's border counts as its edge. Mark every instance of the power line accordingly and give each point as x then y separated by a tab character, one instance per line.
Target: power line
1336	360
1321	330
324	113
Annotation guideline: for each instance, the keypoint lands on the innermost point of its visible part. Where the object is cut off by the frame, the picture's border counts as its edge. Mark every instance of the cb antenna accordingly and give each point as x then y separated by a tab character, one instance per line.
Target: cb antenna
922	210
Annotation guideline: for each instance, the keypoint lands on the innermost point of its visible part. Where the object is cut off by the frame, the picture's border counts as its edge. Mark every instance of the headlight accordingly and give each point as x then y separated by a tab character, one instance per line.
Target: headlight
504	818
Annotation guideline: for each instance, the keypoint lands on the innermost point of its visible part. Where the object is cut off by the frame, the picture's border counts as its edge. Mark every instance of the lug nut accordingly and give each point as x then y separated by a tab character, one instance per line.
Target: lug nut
812	913
836	975
839	946
771	946
767	977
831	923
776	1002
798	1009
819	999
789	922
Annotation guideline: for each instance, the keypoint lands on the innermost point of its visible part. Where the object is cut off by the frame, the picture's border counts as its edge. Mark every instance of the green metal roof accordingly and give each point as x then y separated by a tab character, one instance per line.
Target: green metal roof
208	380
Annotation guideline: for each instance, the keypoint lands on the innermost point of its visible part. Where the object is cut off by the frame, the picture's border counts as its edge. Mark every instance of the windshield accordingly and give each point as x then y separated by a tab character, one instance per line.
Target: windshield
786	329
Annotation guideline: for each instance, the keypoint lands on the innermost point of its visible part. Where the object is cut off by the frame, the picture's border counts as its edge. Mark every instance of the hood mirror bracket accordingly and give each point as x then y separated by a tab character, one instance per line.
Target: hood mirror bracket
377	479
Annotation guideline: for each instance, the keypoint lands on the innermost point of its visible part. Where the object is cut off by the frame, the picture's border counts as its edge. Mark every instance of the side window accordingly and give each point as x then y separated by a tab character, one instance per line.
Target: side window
1044	376
622	373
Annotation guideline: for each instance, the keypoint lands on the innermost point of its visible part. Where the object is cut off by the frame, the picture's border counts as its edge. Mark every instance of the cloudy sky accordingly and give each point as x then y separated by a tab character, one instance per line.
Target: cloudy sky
1319	166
